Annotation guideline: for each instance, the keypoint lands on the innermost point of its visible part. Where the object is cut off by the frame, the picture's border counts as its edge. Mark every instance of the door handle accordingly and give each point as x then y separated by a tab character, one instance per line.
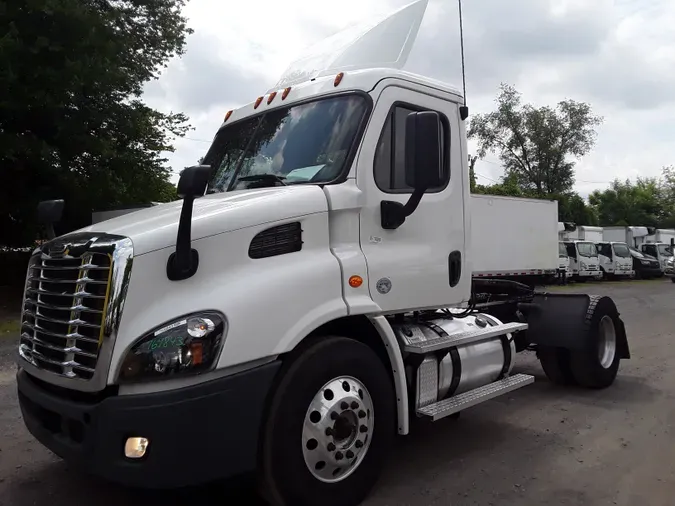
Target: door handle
454	267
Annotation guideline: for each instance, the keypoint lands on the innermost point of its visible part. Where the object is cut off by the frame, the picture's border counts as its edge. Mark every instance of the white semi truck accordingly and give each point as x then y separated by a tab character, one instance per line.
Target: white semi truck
306	299
514	238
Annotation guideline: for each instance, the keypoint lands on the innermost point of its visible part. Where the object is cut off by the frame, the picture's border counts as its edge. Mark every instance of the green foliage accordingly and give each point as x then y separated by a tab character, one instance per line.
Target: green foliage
534	144
72	124
646	202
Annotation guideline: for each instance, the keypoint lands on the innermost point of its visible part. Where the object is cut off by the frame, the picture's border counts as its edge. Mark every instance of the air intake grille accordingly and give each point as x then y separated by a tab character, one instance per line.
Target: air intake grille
63	312
277	240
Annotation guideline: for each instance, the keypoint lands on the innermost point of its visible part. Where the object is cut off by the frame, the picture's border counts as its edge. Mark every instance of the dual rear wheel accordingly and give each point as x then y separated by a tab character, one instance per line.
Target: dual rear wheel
595	366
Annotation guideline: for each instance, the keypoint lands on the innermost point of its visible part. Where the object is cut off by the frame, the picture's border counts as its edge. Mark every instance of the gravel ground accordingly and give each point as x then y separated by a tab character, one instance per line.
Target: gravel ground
541	445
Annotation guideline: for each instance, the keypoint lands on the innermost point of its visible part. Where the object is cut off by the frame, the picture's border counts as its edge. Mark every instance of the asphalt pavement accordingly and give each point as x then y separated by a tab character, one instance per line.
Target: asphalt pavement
540	445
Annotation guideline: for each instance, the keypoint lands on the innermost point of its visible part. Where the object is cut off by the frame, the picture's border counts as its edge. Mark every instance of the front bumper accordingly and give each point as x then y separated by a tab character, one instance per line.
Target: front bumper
197	434
589	274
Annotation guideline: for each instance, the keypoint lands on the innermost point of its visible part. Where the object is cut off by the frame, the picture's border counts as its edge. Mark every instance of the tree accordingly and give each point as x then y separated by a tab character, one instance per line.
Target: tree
627	203
72	124
668	197
536	145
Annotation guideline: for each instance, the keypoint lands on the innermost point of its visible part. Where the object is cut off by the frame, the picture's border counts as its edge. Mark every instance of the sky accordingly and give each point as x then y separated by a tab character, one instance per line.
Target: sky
617	55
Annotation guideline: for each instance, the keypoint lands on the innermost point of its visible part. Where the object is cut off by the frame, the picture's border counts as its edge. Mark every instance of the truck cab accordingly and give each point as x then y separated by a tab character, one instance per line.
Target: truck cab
309	295
663	253
615	259
565	268
584	260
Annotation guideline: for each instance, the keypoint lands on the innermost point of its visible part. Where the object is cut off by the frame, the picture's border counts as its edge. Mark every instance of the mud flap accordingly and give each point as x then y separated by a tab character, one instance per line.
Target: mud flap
563	321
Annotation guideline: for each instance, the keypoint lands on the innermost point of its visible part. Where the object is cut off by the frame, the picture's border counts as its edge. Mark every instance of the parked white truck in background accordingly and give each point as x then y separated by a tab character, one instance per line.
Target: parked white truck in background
658	243
296	316
615	259
514	238
661	246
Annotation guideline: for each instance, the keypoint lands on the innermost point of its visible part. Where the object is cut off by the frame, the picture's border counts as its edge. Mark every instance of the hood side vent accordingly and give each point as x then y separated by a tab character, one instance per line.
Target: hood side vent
275	241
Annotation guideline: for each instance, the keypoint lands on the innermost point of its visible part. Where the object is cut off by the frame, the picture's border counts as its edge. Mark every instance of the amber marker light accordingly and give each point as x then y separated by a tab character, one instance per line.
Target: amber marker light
355	281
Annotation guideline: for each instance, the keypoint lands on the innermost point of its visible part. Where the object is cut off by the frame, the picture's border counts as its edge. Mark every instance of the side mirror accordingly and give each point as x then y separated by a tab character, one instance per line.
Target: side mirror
423	150
48	213
183	263
423	165
193	181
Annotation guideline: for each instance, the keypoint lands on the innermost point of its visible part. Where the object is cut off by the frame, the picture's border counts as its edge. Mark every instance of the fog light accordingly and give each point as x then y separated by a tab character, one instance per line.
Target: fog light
135	447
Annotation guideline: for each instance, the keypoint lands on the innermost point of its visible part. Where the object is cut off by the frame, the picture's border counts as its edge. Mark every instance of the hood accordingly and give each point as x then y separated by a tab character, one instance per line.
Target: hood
156	227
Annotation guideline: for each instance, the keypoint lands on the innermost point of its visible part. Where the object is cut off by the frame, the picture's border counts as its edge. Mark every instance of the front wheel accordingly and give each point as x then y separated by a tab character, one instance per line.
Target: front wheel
330	423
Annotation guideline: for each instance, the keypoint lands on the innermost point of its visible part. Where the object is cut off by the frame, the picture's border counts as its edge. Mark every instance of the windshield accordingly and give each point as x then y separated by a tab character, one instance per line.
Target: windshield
664	250
304	143
587	249
636	253
562	250
621	250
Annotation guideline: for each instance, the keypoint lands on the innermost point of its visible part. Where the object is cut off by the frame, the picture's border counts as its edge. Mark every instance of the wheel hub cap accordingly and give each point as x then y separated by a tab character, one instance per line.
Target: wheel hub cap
607	342
337	429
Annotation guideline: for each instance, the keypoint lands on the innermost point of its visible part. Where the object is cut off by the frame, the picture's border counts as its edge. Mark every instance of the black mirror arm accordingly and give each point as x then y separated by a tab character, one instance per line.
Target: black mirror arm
49	229
393	214
183	263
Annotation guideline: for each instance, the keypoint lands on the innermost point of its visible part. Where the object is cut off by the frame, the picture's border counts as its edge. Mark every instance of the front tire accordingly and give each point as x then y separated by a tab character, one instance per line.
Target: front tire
331	421
598	364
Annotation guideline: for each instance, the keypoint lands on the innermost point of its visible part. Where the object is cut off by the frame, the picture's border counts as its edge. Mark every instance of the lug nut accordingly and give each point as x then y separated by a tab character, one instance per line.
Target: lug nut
363	429
334	416
362	414
350	454
359	444
344	405
330	447
339	456
355	405
329	431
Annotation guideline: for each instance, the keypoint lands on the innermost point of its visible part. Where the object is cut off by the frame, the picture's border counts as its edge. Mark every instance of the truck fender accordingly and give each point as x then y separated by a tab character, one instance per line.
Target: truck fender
563	320
386	333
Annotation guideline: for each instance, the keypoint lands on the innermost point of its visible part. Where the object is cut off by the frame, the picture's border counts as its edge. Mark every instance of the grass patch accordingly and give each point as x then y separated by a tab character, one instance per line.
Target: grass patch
9	327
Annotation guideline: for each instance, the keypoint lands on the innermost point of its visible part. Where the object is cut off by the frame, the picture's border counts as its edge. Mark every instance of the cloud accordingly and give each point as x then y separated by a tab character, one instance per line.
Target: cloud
618	55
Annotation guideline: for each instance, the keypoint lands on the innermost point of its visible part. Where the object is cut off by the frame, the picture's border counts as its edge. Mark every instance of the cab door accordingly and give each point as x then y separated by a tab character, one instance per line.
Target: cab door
422	263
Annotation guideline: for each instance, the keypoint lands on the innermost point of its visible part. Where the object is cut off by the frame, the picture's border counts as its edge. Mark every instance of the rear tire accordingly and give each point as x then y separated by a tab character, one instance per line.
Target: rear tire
598	364
673	279
324	448
556	364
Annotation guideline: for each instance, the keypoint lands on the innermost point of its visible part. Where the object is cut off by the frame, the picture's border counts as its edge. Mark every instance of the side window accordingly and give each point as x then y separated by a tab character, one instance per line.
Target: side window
650	249
389	163
605	249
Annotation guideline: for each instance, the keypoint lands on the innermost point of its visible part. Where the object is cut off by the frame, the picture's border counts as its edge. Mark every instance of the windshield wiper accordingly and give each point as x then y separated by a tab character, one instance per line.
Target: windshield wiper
264	178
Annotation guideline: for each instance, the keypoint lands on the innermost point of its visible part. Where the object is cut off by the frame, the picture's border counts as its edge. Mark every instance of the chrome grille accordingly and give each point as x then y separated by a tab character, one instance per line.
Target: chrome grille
73	303
63	314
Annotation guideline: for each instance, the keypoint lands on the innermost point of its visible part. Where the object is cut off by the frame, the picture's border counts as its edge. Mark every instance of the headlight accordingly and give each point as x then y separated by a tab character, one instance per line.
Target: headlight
644	262
670	262
583	266
189	345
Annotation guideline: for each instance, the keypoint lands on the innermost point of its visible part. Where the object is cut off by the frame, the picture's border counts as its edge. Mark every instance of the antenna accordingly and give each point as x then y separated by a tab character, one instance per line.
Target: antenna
463	110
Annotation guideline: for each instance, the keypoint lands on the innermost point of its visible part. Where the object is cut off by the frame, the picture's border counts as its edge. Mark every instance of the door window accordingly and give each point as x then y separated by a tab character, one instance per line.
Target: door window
389	164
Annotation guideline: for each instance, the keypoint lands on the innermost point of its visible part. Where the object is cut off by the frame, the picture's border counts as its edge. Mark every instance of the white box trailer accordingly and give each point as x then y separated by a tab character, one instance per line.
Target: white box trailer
586	233
633	236
513	237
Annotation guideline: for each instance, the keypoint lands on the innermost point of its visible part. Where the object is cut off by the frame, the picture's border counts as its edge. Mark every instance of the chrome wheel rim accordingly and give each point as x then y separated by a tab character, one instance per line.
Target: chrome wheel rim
607	344
338	429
